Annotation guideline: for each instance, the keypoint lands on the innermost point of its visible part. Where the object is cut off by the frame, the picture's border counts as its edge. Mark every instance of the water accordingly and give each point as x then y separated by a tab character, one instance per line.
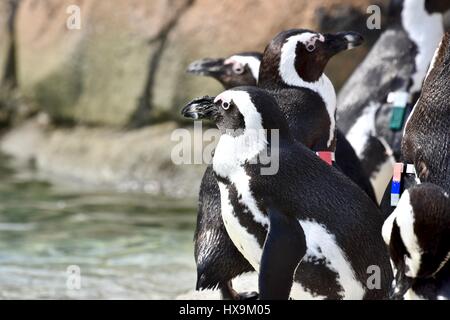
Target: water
127	246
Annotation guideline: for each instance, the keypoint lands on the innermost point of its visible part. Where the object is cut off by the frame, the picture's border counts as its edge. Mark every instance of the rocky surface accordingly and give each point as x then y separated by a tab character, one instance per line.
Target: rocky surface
127	61
127	160
4	36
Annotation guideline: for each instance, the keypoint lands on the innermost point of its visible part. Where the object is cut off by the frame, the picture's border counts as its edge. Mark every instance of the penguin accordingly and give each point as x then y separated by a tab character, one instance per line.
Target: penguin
376	100
211	240
418	237
241	69
297	225
426	141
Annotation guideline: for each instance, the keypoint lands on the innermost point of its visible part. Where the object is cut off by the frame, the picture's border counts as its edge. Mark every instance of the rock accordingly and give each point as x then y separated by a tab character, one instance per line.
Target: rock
95	74
4	36
131	53
447	22
138	160
8	70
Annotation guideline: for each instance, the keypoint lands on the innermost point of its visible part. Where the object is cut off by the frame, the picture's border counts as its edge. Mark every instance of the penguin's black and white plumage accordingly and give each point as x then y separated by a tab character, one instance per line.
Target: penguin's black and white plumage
395	67
418	237
426	140
301	222
292	69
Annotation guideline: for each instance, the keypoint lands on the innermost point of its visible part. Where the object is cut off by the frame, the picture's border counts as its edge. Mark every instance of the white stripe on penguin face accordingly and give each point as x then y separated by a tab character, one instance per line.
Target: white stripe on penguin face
252	62
322	86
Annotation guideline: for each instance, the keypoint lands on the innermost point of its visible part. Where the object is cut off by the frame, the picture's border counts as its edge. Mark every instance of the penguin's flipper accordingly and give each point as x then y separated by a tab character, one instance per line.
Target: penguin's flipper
283	250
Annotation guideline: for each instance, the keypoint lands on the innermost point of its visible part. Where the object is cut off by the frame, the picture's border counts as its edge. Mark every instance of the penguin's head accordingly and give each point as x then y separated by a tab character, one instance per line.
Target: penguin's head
302	53
418	236
238	110
241	69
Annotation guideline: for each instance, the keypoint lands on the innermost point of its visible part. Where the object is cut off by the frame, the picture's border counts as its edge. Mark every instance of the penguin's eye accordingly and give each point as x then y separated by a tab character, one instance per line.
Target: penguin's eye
226	105
238	69
310	47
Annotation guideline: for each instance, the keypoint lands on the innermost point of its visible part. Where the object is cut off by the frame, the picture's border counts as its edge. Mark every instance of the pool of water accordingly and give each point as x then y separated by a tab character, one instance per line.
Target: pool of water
126	246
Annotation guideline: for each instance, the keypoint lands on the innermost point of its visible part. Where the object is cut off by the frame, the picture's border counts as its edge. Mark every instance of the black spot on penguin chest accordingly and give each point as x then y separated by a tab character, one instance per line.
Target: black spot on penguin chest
319	280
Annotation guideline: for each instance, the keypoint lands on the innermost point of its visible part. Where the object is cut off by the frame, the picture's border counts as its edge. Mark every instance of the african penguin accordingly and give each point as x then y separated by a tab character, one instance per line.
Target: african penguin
299	230
377	98
212	242
241	69
418	237
292	69
426	140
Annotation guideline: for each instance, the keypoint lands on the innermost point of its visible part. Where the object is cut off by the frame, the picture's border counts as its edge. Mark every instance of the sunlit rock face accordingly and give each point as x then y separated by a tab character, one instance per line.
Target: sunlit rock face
128	59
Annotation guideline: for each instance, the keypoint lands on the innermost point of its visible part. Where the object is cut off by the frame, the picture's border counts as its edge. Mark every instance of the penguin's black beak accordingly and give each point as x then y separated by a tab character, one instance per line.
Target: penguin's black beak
206	67
342	41
400	286
200	108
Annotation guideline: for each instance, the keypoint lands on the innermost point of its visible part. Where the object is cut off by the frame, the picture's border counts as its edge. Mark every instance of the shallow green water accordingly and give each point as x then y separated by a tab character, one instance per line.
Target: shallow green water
128	246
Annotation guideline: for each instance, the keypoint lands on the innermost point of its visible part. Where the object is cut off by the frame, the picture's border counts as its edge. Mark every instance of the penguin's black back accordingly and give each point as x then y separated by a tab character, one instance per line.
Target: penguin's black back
427	135
307	116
